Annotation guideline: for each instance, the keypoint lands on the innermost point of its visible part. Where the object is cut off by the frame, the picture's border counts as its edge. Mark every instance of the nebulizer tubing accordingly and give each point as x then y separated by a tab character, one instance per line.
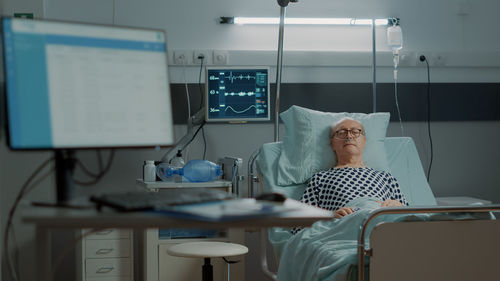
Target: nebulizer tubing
395	42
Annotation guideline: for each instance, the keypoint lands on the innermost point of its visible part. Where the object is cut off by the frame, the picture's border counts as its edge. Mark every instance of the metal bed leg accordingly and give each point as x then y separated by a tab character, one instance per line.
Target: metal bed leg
263	255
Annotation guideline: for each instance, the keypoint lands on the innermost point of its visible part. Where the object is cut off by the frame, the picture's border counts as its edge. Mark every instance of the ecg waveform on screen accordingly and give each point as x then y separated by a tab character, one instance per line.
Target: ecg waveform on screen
258	111
238	94
232	77
239	112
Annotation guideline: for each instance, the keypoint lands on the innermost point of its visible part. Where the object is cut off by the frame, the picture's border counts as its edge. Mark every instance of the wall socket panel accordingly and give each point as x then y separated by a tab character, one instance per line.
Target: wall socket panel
220	57
181	57
205	54
434	59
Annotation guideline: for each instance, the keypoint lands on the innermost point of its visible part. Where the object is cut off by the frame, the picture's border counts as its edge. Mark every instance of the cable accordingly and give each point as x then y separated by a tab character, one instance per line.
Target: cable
99	160
28	190
10	266
60	258
199	83
186	86
191	140
204	144
422	59
201	106
97	177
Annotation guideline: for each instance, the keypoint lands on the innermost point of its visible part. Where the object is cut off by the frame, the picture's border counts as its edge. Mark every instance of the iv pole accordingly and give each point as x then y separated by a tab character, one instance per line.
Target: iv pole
279	65
374	67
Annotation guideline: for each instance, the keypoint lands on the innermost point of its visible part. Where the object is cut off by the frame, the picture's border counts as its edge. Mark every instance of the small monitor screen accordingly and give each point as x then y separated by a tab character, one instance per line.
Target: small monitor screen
72	85
237	94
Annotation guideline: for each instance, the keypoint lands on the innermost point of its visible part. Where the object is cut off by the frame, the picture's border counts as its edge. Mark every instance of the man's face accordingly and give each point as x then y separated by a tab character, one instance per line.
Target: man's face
344	141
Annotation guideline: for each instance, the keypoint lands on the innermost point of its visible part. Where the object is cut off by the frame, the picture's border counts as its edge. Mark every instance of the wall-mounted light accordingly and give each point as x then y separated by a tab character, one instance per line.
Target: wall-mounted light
302	21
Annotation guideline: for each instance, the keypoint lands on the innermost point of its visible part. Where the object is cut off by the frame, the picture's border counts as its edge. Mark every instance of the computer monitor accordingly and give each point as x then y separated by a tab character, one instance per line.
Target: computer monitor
237	94
78	86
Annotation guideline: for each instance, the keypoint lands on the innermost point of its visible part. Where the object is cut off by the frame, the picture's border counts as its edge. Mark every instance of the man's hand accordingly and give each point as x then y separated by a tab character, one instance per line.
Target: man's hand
390	203
342	212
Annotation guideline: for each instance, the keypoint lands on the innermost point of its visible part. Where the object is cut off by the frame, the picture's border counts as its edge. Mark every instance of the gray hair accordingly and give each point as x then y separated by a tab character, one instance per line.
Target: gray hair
334	127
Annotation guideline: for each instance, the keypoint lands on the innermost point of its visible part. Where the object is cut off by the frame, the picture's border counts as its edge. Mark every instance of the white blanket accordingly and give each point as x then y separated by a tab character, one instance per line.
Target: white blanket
327	249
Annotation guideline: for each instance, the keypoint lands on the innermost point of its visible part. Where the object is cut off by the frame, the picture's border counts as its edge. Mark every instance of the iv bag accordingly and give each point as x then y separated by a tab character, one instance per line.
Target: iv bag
395	38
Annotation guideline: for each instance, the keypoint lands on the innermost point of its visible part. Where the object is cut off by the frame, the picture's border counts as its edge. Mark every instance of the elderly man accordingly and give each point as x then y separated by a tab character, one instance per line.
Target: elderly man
350	178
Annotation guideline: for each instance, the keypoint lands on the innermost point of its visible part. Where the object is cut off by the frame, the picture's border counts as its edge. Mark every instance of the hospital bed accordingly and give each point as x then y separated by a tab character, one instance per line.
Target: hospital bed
447	249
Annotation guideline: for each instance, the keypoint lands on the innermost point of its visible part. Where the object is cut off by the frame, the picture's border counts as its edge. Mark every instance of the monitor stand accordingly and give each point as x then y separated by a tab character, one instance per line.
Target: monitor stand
65	166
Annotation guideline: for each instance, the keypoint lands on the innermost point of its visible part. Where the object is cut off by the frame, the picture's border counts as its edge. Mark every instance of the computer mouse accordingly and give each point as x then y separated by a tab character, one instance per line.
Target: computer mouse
271	196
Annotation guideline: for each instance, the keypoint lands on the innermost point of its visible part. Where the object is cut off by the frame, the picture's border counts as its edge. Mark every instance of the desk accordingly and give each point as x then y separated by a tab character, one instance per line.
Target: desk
46	219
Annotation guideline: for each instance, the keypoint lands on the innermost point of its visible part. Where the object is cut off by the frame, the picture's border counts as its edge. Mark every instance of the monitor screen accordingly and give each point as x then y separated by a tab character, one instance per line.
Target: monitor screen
237	94
73	85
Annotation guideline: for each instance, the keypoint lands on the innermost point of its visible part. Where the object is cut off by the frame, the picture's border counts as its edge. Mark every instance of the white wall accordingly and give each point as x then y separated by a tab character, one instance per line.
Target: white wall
470	41
466	153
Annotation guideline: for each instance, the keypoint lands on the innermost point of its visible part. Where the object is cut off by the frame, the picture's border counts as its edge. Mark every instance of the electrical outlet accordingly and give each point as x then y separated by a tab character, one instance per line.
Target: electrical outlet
434	59
201	53
408	58
181	57
438	59
220	57
427	57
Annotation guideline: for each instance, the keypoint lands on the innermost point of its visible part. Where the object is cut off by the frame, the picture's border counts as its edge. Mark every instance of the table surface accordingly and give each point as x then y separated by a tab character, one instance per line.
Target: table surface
303	215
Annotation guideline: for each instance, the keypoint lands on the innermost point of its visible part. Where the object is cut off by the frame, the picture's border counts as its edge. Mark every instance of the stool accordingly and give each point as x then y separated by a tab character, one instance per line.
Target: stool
207	250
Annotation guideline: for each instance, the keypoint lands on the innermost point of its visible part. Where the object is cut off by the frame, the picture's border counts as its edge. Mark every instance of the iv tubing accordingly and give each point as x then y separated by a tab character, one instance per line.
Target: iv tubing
396	62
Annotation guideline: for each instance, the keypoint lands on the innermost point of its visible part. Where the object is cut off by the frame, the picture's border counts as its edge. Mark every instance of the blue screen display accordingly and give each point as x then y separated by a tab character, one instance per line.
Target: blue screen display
68	84
237	94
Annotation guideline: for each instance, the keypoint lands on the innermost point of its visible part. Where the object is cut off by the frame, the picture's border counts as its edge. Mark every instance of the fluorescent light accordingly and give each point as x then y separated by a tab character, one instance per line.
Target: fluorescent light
244	20
310	21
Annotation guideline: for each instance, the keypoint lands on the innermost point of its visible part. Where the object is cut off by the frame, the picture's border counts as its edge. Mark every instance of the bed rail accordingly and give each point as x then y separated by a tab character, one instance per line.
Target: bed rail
362	252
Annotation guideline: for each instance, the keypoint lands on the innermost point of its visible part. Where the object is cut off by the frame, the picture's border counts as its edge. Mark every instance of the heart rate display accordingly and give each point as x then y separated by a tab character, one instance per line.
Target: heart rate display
237	94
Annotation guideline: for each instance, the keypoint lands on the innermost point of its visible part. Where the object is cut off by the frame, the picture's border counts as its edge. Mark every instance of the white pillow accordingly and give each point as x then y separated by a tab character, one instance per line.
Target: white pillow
306	144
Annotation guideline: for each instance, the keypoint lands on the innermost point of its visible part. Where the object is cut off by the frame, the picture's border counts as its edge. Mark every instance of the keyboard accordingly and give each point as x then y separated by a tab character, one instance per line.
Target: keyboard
162	200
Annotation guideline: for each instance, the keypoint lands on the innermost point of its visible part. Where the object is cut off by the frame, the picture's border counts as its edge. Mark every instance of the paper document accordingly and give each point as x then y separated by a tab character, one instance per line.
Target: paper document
228	209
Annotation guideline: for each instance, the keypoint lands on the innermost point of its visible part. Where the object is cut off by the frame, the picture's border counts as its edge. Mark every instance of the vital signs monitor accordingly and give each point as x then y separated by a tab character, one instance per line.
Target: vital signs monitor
237	94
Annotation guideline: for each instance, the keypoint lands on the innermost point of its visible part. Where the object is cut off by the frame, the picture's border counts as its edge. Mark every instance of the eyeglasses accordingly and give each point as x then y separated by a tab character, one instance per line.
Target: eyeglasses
344	133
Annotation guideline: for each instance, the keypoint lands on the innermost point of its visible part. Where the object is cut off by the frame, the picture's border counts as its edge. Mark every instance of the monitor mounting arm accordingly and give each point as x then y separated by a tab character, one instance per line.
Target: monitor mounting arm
197	119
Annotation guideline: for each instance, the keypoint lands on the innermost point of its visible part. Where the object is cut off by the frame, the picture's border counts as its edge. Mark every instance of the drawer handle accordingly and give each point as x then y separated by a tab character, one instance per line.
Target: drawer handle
104	270
104	251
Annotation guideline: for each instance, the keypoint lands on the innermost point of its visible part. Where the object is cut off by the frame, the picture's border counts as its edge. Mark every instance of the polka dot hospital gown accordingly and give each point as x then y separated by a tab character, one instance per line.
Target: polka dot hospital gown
334	188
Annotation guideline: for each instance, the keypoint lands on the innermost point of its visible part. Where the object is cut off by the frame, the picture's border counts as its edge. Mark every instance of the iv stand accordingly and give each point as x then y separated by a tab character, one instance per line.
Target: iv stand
279	65
374	67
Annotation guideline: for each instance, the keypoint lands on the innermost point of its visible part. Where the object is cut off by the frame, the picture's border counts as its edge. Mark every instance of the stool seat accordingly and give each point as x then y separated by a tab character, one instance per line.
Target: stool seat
206	250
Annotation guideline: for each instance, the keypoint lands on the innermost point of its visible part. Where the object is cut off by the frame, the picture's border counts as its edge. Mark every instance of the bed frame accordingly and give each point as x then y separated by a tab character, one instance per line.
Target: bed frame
469	252
432	250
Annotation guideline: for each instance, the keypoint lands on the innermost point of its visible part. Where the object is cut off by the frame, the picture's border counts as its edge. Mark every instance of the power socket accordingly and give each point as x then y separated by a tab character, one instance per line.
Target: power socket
201	53
407	59
434	59
181	57
439	59
220	57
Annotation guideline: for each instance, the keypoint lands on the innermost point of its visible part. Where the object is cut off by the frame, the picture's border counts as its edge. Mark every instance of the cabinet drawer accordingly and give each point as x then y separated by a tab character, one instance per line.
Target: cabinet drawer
107	267
111	233
115	248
